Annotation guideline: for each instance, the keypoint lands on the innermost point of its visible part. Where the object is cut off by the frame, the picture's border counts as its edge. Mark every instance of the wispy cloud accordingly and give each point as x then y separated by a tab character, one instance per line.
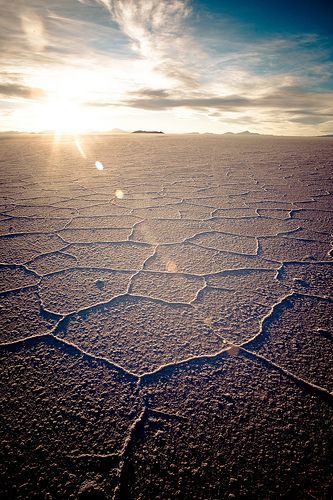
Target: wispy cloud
140	62
21	91
156	29
284	100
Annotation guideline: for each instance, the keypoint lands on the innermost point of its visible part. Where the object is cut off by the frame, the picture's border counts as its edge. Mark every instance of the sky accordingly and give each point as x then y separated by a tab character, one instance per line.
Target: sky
75	66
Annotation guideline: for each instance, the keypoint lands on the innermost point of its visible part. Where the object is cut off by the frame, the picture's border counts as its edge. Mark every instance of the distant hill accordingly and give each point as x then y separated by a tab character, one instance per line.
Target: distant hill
147	132
246	132
326	135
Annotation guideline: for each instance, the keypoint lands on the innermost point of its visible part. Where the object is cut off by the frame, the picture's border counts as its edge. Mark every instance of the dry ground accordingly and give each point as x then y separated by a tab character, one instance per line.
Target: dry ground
166	323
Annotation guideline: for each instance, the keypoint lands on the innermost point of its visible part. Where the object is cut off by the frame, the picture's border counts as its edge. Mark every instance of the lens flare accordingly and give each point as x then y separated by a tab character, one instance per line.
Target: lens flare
119	194
99	165
171	266
80	148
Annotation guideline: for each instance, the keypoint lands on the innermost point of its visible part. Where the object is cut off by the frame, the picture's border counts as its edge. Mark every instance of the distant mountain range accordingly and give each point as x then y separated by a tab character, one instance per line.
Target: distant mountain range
147	132
246	132
119	131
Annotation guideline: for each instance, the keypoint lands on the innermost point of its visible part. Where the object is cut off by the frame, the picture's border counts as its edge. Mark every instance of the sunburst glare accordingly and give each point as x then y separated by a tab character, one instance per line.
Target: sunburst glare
99	165
80	148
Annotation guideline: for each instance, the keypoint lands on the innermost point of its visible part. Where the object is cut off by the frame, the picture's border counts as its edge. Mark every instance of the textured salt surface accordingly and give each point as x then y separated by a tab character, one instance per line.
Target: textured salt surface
174	341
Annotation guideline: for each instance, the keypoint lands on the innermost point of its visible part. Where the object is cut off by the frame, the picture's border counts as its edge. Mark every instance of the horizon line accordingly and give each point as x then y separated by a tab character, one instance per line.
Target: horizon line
245	133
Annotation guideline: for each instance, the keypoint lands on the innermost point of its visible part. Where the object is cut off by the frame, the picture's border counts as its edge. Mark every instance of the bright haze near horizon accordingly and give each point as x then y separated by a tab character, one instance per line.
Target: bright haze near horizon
75	66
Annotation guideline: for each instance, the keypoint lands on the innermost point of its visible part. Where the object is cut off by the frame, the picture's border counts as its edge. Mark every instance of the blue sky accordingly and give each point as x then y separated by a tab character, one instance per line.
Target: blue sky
276	16
176	65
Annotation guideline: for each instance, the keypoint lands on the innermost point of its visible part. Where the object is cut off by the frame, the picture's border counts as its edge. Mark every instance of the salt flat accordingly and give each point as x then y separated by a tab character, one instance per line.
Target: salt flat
166	322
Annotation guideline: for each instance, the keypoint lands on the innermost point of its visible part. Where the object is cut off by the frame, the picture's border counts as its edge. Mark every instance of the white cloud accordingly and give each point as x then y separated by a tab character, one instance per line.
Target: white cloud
147	60
157	31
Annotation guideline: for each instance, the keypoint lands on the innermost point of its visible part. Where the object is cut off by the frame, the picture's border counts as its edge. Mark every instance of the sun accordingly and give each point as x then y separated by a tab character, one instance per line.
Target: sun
63	108
63	116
